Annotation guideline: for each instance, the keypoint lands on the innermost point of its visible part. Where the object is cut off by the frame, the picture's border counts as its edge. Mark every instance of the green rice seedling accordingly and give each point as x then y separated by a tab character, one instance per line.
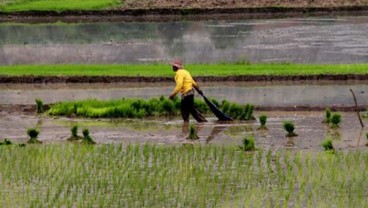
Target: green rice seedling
289	127
247	113
366	137
33	134
74	134
248	144
39	105
193	133
327	118
6	142
335	120
86	138
327	145
262	121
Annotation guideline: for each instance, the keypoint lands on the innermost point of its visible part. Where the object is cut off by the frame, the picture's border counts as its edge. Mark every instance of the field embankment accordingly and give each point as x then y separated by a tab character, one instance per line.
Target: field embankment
40	8
163	73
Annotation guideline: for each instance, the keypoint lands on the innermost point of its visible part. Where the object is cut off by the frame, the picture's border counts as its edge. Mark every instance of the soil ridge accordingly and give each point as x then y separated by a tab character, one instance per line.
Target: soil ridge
238	78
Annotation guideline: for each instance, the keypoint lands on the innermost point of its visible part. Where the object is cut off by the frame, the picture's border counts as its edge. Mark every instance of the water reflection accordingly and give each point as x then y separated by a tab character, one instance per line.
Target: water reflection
309	40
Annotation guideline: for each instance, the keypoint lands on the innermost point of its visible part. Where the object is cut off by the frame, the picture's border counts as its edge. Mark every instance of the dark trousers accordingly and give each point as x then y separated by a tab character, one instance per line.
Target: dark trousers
187	107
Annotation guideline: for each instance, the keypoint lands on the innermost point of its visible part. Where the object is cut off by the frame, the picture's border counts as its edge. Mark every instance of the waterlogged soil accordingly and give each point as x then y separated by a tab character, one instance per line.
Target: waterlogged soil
308	126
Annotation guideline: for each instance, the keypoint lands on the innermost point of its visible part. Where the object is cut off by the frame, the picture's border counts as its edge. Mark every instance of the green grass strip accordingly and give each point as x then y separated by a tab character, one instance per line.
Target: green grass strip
159	70
179	176
56	5
140	108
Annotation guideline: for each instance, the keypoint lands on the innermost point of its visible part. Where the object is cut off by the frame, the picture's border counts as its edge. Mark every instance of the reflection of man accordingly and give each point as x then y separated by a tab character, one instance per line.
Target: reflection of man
184	85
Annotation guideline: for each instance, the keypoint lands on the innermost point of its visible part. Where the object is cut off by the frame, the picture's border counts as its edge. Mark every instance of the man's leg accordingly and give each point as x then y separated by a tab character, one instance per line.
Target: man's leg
193	110
184	109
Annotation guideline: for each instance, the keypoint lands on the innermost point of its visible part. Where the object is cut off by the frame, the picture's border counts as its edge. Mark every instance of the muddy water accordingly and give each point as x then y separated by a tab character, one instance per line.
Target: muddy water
298	40
261	94
171	130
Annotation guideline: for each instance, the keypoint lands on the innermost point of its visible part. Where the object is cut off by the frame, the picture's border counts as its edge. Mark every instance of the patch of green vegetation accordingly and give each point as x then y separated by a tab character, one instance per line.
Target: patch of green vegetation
164	70
193	133
33	134
335	120
39	105
173	176
327	145
74	134
327	118
6	142
86	138
289	128
262	121
133	108
56	5
248	144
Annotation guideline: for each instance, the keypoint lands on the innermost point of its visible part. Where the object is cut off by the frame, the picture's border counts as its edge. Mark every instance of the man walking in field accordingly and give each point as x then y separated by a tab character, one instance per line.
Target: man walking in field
184	85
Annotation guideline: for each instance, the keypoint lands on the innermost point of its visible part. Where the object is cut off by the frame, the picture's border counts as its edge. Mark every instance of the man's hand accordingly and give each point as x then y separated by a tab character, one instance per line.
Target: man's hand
172	97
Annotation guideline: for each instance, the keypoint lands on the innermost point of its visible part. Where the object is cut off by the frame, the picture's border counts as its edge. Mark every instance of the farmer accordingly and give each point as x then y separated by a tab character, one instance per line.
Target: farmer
184	85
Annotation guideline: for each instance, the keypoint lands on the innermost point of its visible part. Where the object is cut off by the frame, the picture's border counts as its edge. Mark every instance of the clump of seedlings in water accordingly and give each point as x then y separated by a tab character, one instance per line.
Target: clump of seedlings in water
289	127
248	144
192	133
74	132
247	113
6	142
86	138
335	120
262	121
39	106
327	145
33	134
327	116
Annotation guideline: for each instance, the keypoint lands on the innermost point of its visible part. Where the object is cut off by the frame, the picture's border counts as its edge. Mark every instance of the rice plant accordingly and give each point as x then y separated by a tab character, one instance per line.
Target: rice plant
366	137
39	106
193	133
86	138
262	121
248	144
151	175
289	128
33	134
74	134
327	145
6	142
335	120
327	118
140	108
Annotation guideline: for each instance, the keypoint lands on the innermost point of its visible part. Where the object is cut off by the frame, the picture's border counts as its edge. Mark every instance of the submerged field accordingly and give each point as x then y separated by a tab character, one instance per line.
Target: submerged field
160	70
179	176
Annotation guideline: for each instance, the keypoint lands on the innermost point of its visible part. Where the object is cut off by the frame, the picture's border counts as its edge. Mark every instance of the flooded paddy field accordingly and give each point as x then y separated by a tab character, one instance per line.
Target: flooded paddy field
308	126
170	130
291	40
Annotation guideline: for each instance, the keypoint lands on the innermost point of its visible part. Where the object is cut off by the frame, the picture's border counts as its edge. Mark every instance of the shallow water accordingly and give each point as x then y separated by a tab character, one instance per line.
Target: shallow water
296	40
172	131
260	94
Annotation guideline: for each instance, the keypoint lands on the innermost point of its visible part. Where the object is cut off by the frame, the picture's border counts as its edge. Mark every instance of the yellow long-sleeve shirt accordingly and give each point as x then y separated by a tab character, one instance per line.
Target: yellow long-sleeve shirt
184	82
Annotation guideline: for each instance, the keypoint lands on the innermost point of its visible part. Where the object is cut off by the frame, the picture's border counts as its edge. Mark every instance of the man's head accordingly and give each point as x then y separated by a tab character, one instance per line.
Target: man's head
177	64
